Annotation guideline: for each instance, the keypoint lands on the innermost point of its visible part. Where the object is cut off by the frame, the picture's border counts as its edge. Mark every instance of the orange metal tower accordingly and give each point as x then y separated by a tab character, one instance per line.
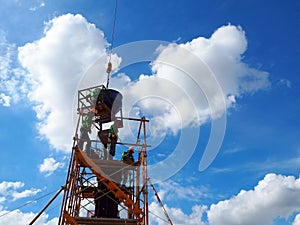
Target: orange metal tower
94	192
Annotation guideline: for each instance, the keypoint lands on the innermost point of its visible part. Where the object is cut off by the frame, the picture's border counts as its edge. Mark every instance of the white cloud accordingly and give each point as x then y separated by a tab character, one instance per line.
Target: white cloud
56	64
9	218
2	199
25	193
6	51
177	216
9	190
4	100
274	196
185	92
34	8
57	61
297	220
13	84
169	190
49	165
7	186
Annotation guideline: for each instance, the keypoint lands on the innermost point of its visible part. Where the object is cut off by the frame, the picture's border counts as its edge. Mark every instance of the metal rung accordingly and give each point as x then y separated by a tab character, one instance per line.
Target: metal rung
87	192
104	221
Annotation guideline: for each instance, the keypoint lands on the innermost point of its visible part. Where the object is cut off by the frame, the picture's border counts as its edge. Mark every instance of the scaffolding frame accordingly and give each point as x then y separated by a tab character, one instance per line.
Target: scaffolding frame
79	185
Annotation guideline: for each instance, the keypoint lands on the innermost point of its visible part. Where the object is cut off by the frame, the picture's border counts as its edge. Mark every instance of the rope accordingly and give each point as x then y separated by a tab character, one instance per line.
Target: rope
27	203
162	219
109	65
160	202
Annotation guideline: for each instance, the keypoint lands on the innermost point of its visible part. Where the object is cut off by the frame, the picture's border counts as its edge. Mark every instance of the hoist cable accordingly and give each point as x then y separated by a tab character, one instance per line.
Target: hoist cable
113	30
109	65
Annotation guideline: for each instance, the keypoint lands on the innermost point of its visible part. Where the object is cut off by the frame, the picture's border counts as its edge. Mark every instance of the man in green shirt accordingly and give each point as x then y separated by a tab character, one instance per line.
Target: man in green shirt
93	96
113	138
127	157
85	129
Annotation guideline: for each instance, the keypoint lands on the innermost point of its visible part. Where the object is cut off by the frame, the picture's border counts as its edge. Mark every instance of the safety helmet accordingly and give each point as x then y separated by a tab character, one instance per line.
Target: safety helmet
131	149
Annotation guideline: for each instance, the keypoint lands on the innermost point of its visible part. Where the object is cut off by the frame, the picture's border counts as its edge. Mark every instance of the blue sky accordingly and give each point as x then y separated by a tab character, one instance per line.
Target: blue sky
48	50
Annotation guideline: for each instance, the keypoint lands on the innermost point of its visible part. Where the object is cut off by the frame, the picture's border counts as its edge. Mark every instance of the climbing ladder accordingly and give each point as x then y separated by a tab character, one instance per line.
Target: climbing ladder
88	172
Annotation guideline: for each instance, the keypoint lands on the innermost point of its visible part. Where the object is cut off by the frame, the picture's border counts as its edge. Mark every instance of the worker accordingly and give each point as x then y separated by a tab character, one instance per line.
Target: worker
93	96
127	157
85	129
113	138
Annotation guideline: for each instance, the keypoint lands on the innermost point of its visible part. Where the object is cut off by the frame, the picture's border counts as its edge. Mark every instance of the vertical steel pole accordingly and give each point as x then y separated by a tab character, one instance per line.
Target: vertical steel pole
145	174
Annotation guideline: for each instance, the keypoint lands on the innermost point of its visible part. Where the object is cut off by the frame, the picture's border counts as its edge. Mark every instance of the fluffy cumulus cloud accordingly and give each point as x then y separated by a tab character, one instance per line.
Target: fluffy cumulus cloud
50	165
223	52
198	80
5	186
170	191
9	218
56	64
11	191
25	193
274	196
177	216
190	82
